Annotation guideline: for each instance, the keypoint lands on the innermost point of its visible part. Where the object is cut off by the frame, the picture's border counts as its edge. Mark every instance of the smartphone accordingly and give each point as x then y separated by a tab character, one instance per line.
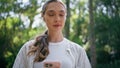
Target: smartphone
52	64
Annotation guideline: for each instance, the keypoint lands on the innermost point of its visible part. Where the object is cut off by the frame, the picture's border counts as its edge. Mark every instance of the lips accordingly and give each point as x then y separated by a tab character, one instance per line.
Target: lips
57	25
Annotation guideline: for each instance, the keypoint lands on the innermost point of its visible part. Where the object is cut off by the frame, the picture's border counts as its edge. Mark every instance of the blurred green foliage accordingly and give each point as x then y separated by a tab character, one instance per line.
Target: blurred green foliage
14	33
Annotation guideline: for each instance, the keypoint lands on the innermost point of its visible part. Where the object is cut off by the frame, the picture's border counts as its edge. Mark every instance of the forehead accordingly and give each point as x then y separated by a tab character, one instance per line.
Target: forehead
55	6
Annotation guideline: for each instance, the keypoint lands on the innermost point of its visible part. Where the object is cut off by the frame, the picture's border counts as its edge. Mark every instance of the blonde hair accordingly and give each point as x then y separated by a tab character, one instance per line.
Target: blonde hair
40	48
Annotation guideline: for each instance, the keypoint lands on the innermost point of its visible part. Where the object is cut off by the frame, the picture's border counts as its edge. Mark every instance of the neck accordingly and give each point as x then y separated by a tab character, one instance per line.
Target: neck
55	36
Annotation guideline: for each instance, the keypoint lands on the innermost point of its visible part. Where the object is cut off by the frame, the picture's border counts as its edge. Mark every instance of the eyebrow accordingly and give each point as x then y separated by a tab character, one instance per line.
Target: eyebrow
54	11
61	10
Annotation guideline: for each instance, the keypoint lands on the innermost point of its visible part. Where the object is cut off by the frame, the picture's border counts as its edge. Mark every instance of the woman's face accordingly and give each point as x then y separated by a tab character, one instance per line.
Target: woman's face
55	16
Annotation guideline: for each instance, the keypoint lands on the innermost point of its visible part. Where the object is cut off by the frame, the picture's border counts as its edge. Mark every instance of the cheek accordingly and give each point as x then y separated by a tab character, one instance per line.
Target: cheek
64	19
45	19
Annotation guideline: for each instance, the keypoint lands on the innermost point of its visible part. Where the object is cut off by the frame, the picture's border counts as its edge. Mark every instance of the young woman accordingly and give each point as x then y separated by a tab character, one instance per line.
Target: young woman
52	49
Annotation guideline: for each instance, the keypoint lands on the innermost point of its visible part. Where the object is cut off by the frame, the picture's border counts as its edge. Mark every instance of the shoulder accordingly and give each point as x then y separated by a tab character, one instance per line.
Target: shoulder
73	44
27	44
74	47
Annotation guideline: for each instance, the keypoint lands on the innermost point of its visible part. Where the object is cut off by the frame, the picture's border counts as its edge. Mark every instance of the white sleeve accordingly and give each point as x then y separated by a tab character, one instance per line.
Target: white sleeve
83	61
21	60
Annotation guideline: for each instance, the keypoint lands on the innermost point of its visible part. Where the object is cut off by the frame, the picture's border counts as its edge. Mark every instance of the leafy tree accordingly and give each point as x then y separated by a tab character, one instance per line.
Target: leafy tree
107	28
13	31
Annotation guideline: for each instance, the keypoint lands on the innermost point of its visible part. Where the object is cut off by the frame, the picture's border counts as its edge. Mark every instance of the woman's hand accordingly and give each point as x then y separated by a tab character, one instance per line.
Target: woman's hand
52	64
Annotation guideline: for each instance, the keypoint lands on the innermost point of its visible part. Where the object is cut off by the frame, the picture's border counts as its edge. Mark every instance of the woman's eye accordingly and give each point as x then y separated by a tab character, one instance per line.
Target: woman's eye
51	14
61	14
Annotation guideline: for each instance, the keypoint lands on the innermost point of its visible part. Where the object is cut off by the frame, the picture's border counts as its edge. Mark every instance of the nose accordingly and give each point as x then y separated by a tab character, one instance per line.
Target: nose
57	18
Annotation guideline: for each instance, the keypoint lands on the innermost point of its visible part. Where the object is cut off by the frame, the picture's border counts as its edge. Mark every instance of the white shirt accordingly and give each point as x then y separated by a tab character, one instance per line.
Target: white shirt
57	53
74	56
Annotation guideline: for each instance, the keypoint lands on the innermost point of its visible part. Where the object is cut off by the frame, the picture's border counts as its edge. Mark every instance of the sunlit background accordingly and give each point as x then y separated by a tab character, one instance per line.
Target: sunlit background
20	21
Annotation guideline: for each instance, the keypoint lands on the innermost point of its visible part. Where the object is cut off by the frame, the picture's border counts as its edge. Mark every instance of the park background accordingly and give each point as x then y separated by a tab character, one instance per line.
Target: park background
94	24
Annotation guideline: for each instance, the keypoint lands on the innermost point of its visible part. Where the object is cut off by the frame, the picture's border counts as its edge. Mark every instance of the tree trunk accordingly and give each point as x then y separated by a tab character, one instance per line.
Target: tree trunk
92	36
67	24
